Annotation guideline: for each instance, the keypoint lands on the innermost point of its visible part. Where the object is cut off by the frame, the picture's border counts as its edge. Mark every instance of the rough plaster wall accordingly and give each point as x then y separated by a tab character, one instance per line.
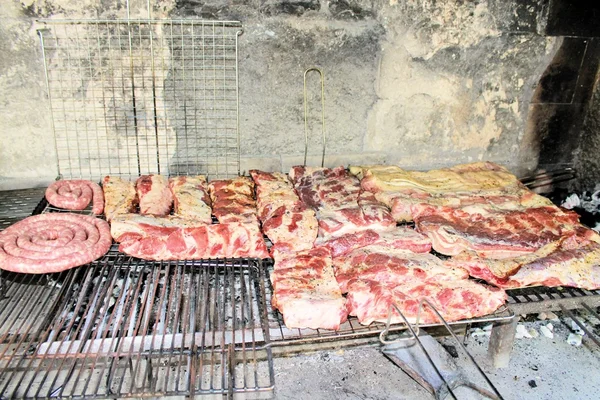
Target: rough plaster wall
25	134
588	163
452	87
27	150
422	84
274	55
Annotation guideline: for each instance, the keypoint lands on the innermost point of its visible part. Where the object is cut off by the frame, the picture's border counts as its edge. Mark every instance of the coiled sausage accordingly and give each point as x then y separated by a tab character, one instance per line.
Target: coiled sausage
76	195
53	242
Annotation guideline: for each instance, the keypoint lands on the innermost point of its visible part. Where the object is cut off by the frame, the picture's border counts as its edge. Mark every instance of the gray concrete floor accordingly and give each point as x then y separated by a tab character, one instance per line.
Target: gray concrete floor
540	368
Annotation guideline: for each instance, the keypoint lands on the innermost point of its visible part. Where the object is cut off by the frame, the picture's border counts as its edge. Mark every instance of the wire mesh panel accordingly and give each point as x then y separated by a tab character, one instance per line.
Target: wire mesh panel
141	96
122	327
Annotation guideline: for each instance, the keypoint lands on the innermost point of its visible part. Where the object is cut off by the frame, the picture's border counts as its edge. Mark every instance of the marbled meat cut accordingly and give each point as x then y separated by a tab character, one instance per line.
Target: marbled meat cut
190	197
53	242
455	300
391	266
226	240
155	197
493	233
405	192
340	204
233	200
377	276
286	220
126	227
119	196
556	264
305	290
332	188
401	237
76	195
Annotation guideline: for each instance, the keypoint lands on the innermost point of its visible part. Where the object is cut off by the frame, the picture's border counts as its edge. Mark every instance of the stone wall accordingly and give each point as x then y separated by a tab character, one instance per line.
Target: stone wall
423	84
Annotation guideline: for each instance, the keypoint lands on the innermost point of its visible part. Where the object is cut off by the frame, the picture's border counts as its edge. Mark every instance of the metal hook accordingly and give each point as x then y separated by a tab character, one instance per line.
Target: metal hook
322	114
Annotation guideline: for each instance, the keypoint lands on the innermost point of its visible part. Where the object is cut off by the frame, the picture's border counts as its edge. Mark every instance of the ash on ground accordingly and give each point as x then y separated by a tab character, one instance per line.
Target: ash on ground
586	204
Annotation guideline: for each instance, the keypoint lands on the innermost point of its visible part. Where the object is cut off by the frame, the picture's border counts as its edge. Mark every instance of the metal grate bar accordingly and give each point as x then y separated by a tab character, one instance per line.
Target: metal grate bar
123	327
143	96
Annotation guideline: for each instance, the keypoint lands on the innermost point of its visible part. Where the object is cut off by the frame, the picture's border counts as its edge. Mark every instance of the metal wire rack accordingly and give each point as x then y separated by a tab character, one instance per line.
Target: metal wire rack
123	327
143	96
18	204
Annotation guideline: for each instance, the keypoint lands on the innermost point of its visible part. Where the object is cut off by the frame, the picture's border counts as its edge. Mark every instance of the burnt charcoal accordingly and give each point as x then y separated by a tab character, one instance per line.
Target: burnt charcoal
291	7
587	218
532	383
342	9
451	350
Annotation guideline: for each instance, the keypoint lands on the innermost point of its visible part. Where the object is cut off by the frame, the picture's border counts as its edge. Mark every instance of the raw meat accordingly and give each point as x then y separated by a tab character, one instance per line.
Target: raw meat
391	266
154	195
331	188
53	242
226	240
493	233
286	221
556	264
76	195
337	198
455	300
377	276
405	192
233	200
190	197
125	227
305	290
119	196
397	238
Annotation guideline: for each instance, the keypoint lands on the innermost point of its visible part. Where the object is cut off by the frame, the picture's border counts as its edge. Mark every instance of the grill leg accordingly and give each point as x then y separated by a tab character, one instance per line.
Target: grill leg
501	341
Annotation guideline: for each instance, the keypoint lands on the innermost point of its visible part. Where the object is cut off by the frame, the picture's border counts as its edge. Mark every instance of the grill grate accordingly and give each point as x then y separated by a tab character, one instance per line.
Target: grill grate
540	298
124	327
18	204
143	96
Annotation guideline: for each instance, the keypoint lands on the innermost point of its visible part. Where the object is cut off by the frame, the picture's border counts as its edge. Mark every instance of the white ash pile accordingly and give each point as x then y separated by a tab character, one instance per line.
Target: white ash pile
587	205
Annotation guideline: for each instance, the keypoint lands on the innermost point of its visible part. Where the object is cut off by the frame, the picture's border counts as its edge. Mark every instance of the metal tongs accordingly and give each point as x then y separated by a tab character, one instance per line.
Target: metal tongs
426	361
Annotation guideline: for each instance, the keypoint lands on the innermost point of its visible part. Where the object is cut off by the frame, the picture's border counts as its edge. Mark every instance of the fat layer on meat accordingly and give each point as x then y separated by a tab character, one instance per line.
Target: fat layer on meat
191	198
406	192
119	196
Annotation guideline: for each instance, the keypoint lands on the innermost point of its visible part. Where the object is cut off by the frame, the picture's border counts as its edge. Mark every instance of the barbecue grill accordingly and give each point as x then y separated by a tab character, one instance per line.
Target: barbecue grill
123	327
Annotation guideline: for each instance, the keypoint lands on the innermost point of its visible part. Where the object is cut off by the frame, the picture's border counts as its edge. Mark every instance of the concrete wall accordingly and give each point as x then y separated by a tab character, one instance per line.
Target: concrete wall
423	84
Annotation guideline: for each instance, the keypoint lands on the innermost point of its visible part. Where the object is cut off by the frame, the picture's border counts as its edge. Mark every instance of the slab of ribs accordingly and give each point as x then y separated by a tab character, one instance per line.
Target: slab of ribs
490	223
